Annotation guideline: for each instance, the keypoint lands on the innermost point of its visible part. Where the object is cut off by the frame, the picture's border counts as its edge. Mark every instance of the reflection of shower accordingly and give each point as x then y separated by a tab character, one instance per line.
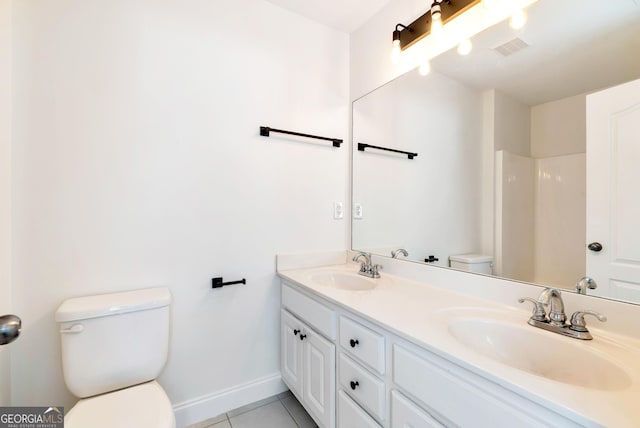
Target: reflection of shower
395	253
540	218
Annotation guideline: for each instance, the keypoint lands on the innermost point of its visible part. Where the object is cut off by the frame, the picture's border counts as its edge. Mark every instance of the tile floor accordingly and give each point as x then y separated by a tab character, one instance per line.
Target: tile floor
280	411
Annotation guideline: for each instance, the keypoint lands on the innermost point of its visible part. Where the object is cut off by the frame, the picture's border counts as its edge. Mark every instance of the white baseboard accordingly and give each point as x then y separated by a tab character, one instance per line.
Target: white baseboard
216	403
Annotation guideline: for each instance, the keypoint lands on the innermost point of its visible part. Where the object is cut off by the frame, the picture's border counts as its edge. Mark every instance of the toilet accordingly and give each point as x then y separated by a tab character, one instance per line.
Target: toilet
478	263
114	346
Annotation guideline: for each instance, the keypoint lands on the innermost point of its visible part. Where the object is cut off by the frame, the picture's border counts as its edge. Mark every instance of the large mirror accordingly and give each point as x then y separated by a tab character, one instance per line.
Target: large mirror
503	183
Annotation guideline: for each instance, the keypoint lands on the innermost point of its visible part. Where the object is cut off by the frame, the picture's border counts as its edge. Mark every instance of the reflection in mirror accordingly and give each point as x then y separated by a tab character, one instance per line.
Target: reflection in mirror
500	184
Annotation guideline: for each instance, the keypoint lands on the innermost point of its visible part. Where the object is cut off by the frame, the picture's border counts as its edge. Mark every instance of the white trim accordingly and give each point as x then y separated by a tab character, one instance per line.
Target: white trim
216	403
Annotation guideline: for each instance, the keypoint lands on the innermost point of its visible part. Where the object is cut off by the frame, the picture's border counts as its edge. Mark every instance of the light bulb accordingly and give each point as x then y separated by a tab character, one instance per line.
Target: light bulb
518	19
395	51
436	19
489	4
436	24
424	68
465	46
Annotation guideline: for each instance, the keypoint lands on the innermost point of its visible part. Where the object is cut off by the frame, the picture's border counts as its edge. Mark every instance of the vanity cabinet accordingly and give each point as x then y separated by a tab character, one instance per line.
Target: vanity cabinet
307	359
379	379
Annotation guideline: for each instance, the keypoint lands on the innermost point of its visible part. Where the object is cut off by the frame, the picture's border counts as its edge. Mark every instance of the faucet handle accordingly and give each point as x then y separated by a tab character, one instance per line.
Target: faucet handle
539	313
578	323
374	270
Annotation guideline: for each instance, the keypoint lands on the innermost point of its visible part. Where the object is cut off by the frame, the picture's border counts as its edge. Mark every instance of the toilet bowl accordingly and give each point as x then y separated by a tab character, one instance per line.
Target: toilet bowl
114	346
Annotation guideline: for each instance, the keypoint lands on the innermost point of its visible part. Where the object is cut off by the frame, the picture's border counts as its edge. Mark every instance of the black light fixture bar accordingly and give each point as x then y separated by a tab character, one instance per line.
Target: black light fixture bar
265	130
421	27
362	146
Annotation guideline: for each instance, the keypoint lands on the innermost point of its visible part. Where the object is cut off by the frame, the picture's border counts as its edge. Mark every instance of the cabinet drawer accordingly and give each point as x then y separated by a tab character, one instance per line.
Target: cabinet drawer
364	387
350	415
406	414
362	343
318	316
434	383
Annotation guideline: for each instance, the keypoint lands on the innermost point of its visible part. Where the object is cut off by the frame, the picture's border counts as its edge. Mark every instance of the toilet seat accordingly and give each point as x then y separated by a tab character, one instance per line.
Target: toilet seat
144	405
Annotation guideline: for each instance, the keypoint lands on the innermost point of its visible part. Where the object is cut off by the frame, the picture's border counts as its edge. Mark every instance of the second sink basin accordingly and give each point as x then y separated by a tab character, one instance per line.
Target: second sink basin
345	281
539	352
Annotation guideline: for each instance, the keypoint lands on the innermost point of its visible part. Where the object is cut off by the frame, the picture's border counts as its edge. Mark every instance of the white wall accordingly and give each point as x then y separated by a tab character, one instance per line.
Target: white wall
512	125
138	163
5	190
559	127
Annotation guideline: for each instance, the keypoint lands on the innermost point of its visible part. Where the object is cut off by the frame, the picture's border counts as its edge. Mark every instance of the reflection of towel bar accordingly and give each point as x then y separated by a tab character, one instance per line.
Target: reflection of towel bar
265	130
362	146
217	282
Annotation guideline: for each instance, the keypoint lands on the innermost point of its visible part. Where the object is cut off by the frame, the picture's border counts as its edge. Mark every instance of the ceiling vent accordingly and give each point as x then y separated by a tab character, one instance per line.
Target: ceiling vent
511	47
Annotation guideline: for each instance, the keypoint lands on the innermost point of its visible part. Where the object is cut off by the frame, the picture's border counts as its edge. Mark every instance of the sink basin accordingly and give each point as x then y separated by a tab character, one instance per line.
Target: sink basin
344	281
539	352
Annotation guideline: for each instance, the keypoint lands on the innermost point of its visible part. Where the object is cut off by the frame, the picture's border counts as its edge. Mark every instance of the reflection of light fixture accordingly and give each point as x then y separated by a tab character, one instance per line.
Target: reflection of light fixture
518	19
465	46
425	68
431	22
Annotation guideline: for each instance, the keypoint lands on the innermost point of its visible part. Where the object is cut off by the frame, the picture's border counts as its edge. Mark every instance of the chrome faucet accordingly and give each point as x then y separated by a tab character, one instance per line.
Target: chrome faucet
366	267
556	319
584	283
396	253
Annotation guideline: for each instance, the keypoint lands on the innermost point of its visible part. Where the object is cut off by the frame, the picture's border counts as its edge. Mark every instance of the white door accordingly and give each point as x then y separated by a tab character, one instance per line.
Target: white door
319	378
613	191
291	352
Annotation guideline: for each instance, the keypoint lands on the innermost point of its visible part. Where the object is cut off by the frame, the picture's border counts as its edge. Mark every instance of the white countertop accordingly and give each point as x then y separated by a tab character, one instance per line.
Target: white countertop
420	313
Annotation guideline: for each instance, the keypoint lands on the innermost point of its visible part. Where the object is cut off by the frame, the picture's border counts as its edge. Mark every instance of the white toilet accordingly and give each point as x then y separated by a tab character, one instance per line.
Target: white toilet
478	263
113	347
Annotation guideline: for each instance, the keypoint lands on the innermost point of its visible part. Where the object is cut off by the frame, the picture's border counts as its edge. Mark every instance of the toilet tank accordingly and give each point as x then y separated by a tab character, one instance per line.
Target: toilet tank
112	341
478	263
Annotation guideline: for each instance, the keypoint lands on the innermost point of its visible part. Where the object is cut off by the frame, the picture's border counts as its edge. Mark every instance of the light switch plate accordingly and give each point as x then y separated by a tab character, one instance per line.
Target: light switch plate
338	210
357	211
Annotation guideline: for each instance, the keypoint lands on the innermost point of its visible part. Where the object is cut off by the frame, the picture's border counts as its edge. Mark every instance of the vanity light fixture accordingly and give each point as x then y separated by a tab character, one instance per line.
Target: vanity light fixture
431	22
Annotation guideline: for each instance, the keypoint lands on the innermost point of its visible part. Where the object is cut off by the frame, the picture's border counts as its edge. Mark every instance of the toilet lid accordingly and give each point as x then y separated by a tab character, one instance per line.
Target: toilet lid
145	405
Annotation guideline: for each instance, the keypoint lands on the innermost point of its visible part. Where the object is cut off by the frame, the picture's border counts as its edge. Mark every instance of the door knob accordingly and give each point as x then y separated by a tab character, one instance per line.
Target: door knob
10	326
595	246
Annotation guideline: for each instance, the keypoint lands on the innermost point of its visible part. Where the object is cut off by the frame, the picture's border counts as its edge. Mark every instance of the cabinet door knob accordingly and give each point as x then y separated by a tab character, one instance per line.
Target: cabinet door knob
354	384
295	332
353	342
302	336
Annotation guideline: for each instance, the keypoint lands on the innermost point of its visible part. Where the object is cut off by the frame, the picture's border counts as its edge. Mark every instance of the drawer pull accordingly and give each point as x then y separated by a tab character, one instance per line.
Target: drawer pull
302	336
353	342
295	332
354	385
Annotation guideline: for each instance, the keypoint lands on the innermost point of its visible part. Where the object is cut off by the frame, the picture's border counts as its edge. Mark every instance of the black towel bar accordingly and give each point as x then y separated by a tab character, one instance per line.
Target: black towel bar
362	146
265	130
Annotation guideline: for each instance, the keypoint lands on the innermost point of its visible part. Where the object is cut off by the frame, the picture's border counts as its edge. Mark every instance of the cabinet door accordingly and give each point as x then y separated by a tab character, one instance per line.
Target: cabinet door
291	352
406	414
350	415
319	378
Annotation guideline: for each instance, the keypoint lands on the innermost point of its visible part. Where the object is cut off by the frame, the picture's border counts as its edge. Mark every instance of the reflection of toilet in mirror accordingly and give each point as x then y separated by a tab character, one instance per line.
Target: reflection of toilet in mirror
477	263
114	346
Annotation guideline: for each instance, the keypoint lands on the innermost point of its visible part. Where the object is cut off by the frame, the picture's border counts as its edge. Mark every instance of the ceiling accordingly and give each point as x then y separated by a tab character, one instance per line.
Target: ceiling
575	46
343	15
